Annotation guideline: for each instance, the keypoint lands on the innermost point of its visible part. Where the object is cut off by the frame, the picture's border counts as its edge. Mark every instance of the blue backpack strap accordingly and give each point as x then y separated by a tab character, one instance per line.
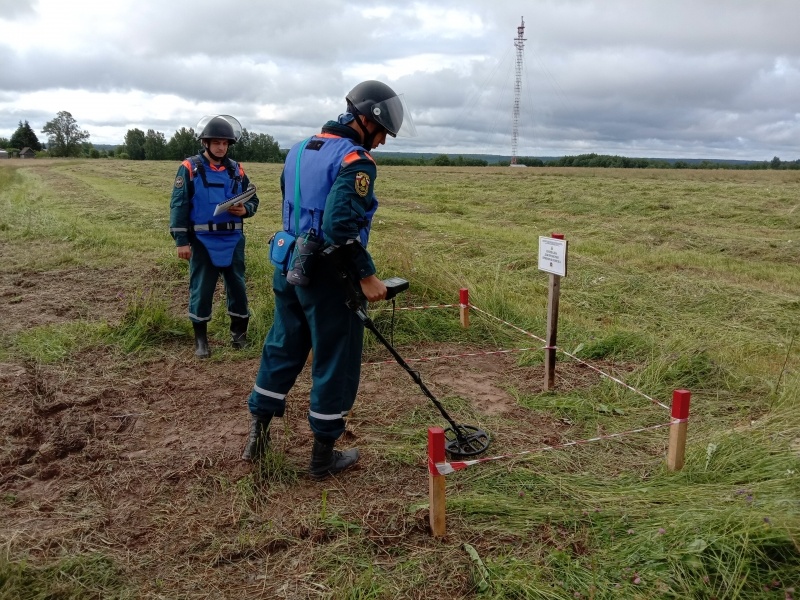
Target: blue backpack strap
234	173
297	188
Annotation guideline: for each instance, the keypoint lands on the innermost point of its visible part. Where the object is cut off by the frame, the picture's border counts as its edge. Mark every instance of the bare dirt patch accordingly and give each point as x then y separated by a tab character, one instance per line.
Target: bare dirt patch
35	298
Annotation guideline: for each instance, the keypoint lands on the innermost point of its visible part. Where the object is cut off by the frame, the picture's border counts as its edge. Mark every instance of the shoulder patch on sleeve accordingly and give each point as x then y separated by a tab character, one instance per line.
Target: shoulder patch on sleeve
362	183
179	182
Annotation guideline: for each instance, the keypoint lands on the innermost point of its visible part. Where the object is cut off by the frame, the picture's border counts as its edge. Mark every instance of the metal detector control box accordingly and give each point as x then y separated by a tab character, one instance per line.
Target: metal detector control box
394	285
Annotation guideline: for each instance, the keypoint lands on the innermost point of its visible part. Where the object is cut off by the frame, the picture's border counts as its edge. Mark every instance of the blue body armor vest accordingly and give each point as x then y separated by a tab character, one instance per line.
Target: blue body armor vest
222	233
321	160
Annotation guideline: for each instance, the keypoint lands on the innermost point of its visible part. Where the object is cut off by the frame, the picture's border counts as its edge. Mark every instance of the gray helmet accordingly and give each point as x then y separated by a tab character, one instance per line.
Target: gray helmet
379	103
219	127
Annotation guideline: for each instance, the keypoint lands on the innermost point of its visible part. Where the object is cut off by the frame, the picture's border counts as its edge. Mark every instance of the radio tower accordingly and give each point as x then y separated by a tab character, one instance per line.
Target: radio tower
519	43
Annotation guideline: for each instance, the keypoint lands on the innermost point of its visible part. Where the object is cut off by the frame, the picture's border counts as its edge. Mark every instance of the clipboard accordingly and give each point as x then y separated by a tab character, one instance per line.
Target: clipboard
238	199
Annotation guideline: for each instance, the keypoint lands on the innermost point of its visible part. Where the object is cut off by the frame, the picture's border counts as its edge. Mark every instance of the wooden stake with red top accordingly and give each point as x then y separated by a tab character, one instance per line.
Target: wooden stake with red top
436	481
464	308
677	431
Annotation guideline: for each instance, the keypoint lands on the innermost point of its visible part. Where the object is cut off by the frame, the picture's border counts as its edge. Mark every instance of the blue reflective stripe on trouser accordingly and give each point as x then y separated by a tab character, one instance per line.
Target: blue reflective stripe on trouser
203	277
304	316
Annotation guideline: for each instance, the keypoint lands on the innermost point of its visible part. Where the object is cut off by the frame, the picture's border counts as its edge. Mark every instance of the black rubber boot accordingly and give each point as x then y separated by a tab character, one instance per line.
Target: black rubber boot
201	340
257	439
326	461
239	332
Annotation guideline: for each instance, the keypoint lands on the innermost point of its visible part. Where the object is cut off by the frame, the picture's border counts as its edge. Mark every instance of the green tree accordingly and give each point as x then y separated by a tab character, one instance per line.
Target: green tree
264	148
155	145
24	136
4	143
256	147
182	144
134	144
65	137
775	163
241	150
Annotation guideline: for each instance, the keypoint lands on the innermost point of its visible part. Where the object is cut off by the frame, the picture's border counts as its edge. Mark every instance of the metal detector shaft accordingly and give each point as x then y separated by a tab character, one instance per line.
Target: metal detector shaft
369	324
467	440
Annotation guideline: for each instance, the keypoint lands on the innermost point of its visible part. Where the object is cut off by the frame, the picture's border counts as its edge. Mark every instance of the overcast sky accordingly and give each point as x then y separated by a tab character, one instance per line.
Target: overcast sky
645	78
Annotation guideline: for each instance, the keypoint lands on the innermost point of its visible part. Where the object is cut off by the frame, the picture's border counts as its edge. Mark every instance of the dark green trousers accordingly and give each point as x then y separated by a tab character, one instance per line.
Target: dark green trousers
203	277
311	317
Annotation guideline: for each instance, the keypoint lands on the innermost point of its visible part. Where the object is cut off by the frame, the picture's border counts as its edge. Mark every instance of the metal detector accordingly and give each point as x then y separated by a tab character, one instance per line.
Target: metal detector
460	440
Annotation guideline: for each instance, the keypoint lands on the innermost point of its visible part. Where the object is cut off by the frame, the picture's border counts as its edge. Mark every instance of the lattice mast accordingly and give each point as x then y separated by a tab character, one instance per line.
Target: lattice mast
519	43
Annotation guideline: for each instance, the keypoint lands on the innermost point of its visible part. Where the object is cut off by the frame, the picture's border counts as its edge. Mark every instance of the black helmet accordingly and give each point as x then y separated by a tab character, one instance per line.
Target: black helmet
379	103
219	127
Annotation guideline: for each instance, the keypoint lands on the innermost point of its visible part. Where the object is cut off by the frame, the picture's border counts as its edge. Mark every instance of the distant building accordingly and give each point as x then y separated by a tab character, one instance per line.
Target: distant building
26	152
3	154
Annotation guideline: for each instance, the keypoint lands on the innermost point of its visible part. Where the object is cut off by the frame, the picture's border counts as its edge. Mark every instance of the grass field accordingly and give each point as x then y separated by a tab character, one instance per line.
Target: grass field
119	470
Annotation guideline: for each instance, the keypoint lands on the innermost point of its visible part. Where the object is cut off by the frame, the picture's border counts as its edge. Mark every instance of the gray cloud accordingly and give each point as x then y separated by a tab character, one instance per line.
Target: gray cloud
716	79
13	9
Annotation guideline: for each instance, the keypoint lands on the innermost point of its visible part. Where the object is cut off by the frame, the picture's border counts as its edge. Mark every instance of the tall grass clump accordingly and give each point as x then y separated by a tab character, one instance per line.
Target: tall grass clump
24	214
147	323
70	578
53	343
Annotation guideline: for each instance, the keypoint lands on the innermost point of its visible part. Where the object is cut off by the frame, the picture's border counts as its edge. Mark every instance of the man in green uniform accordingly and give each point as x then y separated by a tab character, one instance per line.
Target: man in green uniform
213	243
328	200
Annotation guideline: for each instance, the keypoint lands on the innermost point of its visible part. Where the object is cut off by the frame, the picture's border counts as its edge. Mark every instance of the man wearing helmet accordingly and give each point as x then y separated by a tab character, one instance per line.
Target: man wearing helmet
213	244
328	196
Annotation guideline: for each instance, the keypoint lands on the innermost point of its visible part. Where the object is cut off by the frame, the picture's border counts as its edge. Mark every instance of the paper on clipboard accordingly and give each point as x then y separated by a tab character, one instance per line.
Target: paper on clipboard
238	199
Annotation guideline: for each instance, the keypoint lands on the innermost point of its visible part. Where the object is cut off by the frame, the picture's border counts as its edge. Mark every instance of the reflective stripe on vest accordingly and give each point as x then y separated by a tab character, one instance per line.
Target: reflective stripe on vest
218	227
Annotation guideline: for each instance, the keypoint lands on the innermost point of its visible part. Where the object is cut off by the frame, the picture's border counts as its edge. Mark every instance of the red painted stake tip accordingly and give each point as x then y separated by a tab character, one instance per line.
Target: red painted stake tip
680	404
436	444
463	295
557	236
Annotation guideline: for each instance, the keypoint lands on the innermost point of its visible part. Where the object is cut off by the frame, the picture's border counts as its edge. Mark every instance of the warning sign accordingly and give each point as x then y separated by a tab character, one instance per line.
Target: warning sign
553	256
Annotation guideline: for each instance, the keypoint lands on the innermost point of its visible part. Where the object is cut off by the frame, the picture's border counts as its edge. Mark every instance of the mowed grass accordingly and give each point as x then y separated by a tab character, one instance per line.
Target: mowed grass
688	279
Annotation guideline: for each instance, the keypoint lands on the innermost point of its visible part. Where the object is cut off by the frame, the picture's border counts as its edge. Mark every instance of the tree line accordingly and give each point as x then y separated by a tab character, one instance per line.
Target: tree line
587	160
66	138
153	145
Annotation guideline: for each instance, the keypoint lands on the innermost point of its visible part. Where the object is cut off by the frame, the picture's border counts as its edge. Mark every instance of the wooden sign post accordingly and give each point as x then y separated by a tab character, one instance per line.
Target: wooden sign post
553	260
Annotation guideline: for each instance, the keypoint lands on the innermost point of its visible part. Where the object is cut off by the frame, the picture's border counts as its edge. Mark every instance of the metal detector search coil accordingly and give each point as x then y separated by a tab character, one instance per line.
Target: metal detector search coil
465	441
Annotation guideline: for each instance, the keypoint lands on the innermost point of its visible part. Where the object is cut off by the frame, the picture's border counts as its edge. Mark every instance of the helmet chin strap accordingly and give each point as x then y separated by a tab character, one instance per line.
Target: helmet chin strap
369	138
